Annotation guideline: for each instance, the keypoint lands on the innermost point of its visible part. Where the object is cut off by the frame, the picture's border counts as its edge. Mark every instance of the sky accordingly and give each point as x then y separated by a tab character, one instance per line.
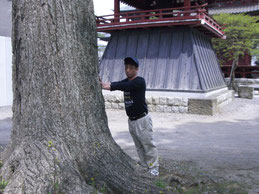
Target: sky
103	7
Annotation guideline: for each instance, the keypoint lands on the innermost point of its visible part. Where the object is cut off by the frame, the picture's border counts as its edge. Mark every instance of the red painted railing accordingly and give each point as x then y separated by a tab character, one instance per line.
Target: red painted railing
242	71
158	17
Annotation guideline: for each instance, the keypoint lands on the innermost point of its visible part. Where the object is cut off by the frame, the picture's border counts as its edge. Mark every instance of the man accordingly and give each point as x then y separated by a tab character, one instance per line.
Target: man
140	122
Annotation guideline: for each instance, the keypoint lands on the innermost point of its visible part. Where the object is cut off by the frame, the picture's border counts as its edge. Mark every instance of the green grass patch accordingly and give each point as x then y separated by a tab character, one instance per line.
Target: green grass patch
161	184
3	184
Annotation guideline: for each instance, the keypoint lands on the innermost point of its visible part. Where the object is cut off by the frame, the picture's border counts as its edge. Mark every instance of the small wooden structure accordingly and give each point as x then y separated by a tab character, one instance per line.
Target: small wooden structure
171	39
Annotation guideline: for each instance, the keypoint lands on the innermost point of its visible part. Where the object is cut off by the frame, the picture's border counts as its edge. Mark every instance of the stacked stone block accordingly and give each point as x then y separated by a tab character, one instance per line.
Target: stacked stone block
155	103
205	106
246	92
244	81
210	105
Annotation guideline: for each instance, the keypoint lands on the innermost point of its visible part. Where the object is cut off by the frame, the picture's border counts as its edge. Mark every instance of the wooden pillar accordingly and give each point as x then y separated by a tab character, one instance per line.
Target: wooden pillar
248	59
116	10
187	5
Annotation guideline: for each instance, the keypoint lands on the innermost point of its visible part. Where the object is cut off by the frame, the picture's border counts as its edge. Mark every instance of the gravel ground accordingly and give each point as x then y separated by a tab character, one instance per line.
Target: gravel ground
225	145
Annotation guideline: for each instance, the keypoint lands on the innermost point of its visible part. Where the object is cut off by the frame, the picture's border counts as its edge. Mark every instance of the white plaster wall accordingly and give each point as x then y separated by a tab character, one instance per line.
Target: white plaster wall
6	94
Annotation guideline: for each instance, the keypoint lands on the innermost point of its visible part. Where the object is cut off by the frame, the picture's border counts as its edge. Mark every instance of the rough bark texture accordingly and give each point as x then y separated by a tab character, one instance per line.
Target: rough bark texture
232	85
60	139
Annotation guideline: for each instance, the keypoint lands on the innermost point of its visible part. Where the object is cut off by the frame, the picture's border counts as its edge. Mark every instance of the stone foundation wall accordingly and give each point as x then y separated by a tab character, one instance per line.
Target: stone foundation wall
167	104
243	81
210	105
155	103
170	104
226	98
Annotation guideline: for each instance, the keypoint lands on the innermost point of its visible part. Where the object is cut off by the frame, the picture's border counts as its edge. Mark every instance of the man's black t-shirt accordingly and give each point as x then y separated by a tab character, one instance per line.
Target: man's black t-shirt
134	95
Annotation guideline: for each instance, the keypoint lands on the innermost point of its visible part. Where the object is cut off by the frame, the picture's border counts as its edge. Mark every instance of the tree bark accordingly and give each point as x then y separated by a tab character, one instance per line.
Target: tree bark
232	85
60	141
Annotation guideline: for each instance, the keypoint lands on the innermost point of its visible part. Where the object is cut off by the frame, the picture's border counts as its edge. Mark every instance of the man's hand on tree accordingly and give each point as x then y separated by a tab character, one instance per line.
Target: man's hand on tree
106	86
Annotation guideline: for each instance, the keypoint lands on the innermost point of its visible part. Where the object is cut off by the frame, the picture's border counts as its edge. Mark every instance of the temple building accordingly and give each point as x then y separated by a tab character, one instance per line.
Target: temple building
171	39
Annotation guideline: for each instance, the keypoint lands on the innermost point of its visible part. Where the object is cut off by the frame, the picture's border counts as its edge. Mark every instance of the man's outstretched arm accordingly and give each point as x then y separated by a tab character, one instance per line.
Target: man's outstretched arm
123	85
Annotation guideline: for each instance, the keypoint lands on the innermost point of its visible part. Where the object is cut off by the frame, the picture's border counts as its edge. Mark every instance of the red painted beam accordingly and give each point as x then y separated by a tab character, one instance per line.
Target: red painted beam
187	4
196	16
116	10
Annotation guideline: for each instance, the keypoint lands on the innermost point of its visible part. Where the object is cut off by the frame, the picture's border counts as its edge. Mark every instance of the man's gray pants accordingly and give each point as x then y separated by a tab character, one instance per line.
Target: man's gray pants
141	131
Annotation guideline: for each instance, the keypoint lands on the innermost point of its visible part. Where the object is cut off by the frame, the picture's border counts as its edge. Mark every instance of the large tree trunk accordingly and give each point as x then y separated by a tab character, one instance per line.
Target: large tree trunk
60	139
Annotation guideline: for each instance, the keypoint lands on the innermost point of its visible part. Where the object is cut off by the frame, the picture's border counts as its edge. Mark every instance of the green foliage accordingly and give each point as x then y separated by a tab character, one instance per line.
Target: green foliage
101	35
50	144
153	17
161	184
1	162
3	184
97	188
56	185
242	34
103	190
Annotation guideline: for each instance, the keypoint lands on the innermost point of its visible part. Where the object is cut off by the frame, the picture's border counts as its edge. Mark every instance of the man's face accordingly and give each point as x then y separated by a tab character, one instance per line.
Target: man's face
131	71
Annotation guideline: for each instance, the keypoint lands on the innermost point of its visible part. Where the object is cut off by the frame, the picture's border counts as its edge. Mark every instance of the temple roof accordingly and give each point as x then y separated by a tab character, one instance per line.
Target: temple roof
234	9
156	4
214	4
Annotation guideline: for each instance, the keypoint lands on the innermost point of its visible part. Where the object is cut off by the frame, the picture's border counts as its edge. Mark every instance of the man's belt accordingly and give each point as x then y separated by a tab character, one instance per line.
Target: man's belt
138	117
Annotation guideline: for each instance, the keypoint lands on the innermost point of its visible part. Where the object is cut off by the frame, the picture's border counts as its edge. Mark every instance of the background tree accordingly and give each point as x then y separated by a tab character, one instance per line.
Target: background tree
242	33
60	141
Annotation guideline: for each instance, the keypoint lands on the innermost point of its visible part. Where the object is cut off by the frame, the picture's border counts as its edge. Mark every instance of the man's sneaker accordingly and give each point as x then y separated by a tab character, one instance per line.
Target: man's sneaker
154	172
